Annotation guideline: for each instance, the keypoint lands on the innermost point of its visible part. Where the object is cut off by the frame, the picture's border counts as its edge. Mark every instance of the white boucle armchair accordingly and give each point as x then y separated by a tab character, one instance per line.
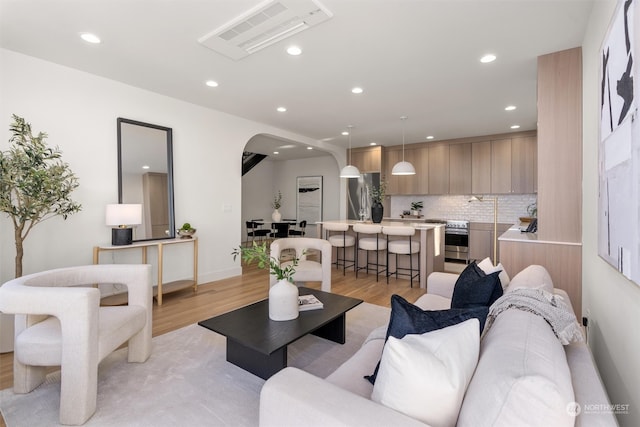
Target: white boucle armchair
59	322
306	270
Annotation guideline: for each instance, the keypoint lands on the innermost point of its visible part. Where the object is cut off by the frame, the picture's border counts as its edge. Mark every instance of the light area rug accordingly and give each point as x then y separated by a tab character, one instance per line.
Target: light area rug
186	381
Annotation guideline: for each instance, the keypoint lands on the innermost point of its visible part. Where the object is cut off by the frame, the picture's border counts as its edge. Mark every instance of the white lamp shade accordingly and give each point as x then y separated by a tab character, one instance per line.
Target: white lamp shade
123	214
403	168
350	171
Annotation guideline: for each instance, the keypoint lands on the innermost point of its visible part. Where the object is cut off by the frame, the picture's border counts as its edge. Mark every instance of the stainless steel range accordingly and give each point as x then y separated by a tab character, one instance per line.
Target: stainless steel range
456	241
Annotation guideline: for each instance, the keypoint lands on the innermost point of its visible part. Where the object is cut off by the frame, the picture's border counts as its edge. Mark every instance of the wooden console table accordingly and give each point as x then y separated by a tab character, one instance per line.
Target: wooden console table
161	288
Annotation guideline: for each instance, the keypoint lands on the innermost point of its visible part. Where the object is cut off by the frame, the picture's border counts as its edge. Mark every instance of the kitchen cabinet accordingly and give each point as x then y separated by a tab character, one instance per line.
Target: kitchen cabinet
392	156
407	184
460	168
480	243
481	167
438	170
481	239
501	166
367	159
524	165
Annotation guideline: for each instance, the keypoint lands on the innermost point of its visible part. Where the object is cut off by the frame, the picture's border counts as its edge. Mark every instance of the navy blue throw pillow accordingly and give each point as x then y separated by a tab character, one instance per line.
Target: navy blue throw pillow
476	289
407	318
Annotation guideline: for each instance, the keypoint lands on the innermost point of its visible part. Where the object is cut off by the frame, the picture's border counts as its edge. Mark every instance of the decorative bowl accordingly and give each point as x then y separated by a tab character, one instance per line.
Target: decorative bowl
525	219
186	234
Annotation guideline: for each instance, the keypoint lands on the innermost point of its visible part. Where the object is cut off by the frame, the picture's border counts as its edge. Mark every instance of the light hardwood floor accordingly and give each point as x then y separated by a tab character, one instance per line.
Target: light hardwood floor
186	307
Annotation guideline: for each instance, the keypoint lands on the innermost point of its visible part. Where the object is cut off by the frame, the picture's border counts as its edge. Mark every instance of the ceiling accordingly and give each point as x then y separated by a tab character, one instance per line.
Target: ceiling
414	58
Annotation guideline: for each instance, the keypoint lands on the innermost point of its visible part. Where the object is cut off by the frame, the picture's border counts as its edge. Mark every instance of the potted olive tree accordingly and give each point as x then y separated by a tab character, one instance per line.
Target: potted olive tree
35	184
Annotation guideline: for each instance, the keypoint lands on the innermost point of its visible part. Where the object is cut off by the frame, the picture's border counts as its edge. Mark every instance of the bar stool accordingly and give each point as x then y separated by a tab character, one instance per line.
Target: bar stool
402	247
370	244
340	239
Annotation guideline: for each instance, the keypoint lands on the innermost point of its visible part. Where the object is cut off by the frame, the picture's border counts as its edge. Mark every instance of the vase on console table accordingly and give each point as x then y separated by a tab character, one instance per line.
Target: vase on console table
276	216
283	301
377	210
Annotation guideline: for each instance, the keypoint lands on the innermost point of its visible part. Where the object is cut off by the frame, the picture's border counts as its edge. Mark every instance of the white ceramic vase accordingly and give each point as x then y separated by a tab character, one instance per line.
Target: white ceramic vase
276	216
283	301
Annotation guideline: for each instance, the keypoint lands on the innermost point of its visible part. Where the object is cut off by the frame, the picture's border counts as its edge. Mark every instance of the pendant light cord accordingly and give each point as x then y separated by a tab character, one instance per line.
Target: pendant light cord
403	118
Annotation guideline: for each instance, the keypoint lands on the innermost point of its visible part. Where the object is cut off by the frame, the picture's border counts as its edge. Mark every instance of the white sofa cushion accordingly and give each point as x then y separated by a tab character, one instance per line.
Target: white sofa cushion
487	266
532	277
522	375
351	374
425	376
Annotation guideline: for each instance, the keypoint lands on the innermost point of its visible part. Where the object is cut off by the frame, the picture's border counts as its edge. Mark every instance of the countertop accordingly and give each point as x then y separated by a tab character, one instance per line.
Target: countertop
387	223
515	235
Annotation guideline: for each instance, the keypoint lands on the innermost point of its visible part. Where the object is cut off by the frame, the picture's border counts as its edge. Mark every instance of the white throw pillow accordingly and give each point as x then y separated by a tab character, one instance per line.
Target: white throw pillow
425	376
487	266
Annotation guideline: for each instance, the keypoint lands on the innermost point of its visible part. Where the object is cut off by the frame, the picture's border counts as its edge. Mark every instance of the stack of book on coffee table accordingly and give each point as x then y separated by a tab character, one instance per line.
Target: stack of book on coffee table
309	302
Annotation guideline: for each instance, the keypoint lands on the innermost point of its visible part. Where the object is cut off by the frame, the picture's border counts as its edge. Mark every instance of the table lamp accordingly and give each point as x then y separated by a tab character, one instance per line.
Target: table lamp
121	217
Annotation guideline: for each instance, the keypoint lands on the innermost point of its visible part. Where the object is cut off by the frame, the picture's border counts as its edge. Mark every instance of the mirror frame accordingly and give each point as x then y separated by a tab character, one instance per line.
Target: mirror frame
169	151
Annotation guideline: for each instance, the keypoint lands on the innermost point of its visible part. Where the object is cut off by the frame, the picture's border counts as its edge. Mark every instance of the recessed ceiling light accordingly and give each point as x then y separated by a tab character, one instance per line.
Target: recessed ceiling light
488	58
430	137
145	167
90	38
276	152
294	50
281	109
515	127
309	148
373	143
345	133
510	107
211	83
357	90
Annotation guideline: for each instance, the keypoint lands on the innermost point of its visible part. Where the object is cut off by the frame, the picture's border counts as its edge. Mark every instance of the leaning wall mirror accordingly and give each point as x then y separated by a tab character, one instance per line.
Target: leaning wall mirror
145	176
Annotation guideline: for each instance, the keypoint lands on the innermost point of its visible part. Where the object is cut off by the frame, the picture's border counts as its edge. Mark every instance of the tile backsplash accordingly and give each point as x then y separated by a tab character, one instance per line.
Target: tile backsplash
510	207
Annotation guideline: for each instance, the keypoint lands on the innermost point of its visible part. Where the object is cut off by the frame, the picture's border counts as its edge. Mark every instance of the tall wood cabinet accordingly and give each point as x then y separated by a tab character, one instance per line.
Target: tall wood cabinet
558	243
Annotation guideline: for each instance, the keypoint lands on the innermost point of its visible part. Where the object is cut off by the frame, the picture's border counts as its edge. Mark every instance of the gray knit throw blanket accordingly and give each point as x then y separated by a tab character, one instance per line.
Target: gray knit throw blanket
542	303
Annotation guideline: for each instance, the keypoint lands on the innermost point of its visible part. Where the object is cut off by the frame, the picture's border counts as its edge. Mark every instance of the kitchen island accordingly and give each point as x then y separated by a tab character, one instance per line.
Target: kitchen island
431	243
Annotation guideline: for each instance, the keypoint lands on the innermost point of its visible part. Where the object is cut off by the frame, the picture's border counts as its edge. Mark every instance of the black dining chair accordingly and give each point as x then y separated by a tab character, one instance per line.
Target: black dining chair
279	230
301	231
254	230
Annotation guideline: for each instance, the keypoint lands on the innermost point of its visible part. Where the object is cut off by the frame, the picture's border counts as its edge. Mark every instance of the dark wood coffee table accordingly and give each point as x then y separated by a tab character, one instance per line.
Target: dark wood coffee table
259	345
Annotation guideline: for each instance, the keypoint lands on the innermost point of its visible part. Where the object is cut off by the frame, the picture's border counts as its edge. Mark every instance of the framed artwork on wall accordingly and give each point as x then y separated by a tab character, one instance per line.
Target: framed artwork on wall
619	145
309	201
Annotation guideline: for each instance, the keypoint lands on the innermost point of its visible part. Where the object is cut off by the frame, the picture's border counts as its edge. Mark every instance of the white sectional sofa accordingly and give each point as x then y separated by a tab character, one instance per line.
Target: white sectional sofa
524	376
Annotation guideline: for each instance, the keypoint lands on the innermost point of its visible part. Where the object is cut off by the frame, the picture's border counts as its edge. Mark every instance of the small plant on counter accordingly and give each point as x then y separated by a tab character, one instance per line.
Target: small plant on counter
416	206
277	200
260	253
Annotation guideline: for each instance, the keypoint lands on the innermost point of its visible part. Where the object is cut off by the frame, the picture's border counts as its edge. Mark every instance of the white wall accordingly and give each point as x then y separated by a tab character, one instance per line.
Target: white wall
611	302
78	111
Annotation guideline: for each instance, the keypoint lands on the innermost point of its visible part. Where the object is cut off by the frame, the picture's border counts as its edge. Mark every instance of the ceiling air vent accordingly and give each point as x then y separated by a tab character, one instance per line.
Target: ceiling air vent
267	23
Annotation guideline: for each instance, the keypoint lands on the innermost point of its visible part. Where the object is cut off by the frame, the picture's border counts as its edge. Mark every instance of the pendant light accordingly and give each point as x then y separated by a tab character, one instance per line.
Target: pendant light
350	171
403	168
